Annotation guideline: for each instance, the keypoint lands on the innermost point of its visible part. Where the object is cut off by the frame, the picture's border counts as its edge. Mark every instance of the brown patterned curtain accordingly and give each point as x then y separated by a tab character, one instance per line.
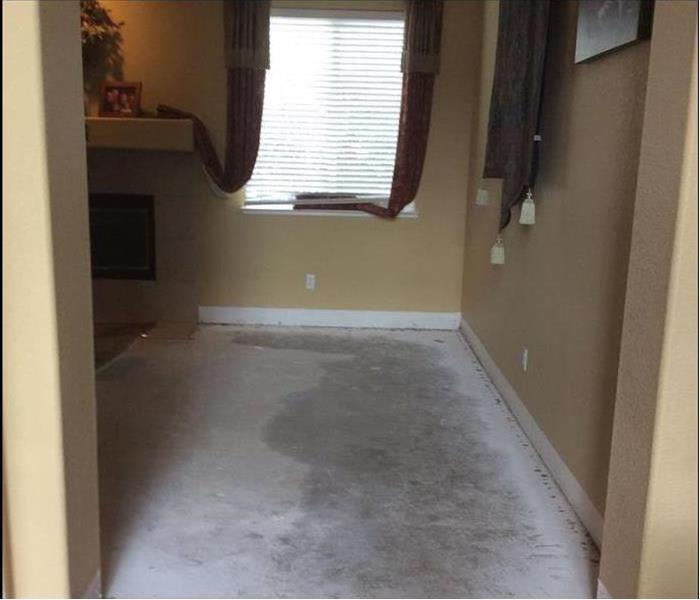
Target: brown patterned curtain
247	44
420	62
511	147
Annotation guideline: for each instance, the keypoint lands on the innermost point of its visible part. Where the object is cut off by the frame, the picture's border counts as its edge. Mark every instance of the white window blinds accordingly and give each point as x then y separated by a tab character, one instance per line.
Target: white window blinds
331	109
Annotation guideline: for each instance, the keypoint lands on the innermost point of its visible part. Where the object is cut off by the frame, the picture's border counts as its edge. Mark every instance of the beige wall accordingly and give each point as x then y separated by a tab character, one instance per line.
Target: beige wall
650	546
49	440
211	253
561	291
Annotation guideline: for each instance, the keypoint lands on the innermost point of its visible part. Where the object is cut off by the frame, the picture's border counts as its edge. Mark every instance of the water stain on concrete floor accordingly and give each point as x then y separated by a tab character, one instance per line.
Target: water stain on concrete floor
335	464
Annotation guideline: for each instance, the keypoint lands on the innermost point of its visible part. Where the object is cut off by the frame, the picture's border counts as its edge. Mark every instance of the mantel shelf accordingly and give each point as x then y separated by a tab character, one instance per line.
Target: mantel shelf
170	135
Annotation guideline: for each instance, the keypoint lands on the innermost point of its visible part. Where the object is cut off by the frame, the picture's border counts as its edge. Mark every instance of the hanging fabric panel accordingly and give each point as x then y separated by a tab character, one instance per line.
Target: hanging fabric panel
247	42
512	140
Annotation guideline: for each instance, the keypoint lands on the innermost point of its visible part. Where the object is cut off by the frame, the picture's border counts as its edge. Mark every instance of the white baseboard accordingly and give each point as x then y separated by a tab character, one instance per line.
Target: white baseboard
94	588
579	500
602	591
239	315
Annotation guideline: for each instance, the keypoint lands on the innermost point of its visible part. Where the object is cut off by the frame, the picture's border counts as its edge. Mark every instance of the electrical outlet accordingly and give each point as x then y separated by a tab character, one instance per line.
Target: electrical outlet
482	197
310	281
524	359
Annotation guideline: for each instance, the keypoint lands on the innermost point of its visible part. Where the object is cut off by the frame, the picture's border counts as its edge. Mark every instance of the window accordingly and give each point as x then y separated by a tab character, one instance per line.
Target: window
331	109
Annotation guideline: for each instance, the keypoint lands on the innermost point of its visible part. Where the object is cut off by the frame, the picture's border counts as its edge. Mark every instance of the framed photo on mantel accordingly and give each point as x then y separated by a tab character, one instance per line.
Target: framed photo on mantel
606	25
120	99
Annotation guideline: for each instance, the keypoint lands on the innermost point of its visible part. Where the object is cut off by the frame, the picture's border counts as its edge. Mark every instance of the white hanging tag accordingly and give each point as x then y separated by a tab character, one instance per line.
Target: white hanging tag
498	252
527	210
482	197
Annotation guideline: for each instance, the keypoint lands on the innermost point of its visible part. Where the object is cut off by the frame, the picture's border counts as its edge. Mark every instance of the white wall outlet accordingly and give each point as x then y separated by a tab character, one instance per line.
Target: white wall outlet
310	281
524	359
482	197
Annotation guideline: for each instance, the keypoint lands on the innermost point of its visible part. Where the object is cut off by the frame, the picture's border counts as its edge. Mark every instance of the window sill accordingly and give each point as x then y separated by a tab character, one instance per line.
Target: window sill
288	211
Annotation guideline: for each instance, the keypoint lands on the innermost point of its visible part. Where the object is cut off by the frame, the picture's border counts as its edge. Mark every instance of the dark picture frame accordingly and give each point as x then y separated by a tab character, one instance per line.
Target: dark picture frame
120	99
608	25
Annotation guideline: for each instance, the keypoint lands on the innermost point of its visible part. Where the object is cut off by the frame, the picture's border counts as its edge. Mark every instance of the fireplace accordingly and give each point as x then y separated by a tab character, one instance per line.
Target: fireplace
122	236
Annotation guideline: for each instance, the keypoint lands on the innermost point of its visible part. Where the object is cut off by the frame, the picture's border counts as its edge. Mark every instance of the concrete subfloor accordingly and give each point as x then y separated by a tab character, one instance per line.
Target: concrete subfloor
281	462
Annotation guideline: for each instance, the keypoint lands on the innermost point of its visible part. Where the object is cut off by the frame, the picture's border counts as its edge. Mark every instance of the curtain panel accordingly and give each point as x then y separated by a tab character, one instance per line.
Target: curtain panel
511	146
420	63
247	56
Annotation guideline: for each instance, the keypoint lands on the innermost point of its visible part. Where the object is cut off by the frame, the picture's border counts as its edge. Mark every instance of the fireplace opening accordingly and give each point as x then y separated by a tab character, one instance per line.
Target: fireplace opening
122	236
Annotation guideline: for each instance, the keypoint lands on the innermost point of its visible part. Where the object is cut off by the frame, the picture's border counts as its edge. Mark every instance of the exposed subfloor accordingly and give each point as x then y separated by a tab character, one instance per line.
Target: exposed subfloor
280	462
